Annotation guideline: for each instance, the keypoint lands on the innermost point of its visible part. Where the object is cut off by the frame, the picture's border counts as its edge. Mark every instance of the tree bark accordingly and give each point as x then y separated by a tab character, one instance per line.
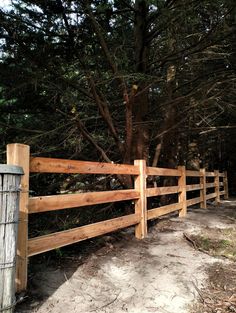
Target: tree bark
140	142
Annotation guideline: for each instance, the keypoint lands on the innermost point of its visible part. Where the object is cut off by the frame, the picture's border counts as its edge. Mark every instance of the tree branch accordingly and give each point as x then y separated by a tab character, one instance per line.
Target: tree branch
106	51
104	111
88	137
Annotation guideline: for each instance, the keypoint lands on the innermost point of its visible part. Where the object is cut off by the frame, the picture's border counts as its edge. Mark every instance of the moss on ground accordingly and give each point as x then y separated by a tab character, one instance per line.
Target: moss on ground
217	242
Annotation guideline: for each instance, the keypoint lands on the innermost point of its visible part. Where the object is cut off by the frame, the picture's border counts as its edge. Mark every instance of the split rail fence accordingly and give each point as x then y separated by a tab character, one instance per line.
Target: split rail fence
18	154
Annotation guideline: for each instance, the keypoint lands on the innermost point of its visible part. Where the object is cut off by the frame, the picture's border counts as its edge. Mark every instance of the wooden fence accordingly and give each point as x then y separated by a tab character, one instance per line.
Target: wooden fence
18	154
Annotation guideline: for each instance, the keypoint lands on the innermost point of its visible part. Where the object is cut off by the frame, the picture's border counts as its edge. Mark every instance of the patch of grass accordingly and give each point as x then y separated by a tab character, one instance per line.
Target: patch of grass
217	242
59	253
205	243
224	243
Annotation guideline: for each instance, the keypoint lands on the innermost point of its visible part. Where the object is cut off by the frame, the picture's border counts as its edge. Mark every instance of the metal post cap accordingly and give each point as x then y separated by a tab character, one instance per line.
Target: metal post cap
11	169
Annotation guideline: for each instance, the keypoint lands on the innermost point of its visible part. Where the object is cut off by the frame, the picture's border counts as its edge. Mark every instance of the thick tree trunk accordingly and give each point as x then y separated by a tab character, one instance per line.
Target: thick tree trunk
170	138
140	142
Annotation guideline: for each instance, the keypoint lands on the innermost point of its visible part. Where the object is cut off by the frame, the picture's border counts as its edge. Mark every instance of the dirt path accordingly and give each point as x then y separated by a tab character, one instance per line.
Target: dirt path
162	273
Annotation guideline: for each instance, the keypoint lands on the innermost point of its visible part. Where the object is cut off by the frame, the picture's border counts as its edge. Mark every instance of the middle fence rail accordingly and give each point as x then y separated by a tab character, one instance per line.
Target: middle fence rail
18	154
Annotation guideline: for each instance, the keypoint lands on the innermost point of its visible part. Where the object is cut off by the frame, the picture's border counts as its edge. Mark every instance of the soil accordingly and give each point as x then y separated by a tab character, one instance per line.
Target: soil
165	272
219	295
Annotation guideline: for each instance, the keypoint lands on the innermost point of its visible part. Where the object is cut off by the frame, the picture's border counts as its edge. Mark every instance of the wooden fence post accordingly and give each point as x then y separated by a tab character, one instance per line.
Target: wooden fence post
182	191
141	203
217	186
226	188
9	216
19	154
203	204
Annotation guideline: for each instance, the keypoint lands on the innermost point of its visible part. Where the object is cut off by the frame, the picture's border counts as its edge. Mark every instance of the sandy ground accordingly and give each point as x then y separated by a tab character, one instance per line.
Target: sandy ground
161	273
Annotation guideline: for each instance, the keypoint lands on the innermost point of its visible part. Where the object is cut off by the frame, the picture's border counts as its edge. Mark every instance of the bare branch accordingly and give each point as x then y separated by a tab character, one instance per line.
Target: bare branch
104	111
88	137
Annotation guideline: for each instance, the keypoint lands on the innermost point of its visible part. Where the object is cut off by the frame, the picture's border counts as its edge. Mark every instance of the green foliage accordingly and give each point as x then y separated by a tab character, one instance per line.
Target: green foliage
51	49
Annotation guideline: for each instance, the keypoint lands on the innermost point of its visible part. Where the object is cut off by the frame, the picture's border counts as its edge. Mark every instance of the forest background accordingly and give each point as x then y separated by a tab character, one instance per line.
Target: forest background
115	81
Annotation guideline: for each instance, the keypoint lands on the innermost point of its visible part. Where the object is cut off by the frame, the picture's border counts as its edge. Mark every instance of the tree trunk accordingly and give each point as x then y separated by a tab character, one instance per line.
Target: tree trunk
140	142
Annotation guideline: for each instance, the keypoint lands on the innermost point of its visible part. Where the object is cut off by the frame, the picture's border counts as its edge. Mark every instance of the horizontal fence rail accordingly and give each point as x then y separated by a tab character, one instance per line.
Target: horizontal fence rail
48	165
18	154
60	239
157	171
59	202
155	213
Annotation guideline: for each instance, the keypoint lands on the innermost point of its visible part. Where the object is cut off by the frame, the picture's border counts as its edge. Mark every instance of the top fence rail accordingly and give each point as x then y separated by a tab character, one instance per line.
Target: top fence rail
50	165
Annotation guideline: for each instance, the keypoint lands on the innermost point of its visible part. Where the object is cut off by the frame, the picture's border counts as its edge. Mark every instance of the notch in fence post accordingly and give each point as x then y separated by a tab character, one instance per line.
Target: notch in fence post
182	191
226	189
141	203
203	204
217	186
19	154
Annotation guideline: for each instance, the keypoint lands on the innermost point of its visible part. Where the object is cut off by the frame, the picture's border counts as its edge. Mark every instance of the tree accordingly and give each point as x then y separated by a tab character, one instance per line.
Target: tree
128	79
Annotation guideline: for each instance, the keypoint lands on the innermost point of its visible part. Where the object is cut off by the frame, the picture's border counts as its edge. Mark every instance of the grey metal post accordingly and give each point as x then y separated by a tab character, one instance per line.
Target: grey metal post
10	177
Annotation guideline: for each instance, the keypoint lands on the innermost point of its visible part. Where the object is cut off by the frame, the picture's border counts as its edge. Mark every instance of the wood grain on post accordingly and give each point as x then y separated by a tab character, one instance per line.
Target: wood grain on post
19	154
226	189
203	204
141	202
217	186
9	214
182	191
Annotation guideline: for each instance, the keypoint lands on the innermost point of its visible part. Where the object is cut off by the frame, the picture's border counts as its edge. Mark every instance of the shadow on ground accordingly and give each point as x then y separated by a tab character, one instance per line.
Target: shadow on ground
162	273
